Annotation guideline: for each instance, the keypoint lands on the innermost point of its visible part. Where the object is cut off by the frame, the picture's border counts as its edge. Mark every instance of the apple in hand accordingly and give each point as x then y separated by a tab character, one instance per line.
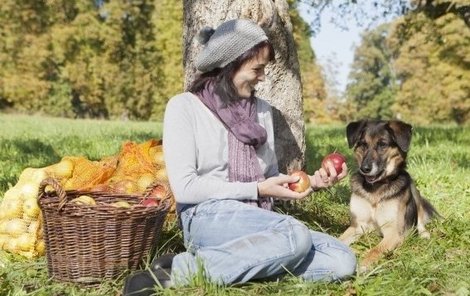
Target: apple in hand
303	183
337	159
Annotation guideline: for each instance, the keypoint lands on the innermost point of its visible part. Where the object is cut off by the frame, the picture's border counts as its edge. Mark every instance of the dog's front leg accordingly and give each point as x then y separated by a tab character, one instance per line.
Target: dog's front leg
361	216
352	234
391	240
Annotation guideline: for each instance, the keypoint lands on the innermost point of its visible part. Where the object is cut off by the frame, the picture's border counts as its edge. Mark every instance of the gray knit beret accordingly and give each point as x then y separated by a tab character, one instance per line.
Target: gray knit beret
226	43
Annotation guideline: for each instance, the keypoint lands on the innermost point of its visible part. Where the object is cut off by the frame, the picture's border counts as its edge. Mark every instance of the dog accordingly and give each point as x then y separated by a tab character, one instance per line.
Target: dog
383	194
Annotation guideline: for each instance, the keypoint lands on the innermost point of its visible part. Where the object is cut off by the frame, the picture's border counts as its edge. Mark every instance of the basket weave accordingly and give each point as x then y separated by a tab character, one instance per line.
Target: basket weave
86	244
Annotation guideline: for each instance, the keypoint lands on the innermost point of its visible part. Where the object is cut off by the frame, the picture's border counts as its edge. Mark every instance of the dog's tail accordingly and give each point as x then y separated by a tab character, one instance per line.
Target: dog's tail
428	208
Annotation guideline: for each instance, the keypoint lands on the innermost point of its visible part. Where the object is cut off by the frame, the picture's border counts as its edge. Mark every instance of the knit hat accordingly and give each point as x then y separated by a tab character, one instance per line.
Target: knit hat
226	43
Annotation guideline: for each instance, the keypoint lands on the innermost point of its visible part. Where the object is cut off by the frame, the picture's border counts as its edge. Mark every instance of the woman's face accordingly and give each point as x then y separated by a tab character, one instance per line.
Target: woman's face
250	73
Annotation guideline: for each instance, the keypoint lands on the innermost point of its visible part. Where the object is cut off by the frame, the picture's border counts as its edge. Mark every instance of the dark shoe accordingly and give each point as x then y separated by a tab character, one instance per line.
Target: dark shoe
143	283
162	262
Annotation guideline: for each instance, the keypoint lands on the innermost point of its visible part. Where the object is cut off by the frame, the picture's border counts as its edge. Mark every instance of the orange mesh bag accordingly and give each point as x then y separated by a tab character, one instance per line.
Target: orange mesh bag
87	173
135	159
140	166
136	165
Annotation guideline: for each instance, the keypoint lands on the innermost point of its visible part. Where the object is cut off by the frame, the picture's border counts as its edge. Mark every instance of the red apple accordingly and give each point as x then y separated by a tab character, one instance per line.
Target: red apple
149	202
301	185
337	159
159	191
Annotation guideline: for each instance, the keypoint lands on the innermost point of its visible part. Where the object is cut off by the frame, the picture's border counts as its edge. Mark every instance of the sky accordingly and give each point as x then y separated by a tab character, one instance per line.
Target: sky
334	47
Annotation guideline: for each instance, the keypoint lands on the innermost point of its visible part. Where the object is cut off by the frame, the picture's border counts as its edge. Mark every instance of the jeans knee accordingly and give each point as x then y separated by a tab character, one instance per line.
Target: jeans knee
346	264
302	240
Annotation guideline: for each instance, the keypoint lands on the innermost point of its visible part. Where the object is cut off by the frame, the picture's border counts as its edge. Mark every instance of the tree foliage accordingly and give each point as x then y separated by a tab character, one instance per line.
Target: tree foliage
313	84
113	59
433	68
372	86
418	70
106	59
79	58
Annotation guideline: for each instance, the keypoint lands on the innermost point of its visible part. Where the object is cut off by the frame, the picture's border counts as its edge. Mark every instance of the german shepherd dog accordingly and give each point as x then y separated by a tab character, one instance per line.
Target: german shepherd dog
384	196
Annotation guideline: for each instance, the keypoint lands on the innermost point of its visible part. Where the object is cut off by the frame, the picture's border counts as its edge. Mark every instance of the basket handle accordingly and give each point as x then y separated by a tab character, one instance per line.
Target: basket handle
58	189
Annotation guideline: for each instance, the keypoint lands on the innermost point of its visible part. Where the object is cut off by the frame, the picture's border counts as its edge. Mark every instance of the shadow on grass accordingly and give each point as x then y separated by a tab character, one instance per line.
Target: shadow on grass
325	211
27	151
18	154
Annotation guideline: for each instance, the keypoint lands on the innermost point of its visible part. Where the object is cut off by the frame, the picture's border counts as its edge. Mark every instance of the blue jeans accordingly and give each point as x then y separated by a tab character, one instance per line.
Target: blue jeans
235	242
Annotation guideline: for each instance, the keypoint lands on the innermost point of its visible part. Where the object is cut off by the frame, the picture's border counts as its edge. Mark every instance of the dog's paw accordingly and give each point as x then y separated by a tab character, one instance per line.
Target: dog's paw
425	235
366	265
363	268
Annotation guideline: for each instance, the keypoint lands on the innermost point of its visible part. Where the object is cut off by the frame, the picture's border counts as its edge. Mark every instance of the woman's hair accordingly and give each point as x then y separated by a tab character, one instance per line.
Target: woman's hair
223	77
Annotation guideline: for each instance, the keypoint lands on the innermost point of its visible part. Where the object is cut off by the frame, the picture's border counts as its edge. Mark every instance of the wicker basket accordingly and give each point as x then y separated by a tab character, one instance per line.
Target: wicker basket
89	243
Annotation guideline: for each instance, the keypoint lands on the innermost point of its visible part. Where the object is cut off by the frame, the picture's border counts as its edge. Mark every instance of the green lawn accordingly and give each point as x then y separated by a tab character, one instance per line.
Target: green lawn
439	161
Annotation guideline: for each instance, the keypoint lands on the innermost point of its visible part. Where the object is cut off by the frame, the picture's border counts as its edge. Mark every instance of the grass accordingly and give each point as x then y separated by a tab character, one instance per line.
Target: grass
439	161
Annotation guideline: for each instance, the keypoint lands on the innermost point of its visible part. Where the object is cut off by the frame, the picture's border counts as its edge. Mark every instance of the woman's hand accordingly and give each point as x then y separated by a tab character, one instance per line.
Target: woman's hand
326	178
277	187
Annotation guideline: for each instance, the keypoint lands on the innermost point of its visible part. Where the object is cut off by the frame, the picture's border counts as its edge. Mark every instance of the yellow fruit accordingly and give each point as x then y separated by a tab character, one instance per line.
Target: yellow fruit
12	208
84	200
41	247
63	169
11	245
121	204
125	186
158	157
31	207
29	190
33	227
154	150
16	227
3	226
25	242
26	174
161	175
3	240
144	181
12	194
49	189
39	175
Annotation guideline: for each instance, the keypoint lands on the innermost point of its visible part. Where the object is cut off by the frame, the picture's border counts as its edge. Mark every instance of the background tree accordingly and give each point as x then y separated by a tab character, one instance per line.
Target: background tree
433	68
417	70
79	58
168	22
113	59
313	85
23	54
371	89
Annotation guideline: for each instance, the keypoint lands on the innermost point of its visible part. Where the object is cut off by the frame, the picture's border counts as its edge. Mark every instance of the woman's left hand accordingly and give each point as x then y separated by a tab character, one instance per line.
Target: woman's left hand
326	178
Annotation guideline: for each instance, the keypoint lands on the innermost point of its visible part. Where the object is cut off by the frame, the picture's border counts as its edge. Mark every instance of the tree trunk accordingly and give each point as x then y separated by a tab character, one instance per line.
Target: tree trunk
282	87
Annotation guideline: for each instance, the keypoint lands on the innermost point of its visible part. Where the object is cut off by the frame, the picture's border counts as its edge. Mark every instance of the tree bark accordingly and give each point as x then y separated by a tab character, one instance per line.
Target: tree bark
282	87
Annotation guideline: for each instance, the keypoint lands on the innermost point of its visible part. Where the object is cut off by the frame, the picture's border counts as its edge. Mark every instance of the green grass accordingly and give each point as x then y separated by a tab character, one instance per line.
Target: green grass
439	160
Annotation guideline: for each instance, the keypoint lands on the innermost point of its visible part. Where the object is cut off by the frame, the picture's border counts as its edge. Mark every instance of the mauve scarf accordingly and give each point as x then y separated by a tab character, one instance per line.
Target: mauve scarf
245	135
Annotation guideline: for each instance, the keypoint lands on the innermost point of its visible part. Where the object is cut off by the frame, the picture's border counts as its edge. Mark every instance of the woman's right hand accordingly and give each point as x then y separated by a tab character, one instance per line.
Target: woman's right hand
277	187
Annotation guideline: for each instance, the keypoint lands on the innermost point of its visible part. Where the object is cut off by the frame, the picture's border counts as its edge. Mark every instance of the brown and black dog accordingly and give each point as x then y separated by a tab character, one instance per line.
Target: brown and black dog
384	196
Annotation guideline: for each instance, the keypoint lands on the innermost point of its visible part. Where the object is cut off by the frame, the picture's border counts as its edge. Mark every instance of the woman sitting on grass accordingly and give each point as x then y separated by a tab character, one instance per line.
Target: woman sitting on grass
219	152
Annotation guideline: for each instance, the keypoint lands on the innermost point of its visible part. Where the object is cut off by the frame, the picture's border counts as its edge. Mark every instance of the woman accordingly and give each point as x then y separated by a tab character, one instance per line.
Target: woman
219	151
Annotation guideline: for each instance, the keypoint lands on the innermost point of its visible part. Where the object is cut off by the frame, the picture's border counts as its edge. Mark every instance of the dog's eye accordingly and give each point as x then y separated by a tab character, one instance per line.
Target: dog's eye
362	145
382	145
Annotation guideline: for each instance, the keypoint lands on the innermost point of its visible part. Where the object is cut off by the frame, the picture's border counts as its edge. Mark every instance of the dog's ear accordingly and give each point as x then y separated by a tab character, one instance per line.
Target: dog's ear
353	131
401	133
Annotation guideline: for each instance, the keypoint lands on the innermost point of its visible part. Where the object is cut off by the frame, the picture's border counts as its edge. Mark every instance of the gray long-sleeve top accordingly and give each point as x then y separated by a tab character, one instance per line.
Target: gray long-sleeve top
196	152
